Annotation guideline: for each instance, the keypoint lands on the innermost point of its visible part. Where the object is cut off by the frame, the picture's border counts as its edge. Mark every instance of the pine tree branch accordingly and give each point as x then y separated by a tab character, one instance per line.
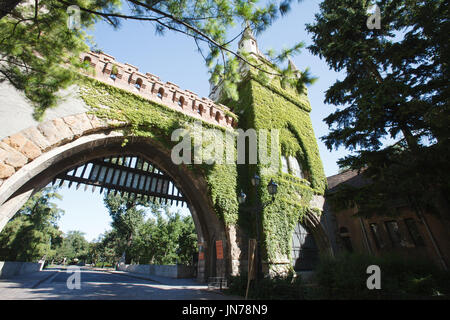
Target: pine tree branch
202	34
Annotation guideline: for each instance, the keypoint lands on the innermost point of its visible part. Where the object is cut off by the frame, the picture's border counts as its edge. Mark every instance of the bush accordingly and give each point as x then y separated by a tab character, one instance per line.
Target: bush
278	288
344	277
103	265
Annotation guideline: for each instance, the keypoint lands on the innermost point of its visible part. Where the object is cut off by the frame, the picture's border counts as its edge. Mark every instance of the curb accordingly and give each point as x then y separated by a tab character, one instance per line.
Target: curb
216	291
137	276
40	281
134	276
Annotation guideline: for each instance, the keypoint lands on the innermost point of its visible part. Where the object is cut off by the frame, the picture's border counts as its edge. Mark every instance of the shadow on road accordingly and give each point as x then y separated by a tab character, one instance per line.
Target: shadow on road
103	285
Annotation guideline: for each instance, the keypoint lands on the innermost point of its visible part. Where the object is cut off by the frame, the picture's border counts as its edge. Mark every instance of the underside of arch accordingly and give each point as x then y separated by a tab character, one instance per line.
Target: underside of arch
312	222
125	174
61	159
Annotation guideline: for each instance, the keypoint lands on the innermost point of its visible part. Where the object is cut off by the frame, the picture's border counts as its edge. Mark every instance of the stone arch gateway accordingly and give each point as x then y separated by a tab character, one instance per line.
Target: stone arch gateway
100	113
38	173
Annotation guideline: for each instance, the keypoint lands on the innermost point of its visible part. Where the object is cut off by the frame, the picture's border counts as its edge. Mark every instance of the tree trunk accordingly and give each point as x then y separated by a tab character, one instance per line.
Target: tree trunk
6	6
127	249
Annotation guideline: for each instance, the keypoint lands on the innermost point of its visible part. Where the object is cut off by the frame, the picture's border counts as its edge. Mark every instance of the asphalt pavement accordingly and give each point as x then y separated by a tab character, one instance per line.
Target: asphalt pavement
89	284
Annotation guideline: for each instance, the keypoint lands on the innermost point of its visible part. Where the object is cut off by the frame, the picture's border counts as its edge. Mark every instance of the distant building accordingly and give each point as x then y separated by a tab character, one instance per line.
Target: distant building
405	234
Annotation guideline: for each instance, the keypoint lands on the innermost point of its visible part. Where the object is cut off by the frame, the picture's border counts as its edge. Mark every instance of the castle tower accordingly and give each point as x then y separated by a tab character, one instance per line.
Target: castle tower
265	104
248	42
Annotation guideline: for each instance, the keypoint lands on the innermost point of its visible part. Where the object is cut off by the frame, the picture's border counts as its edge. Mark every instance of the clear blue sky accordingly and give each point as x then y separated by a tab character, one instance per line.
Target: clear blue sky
173	57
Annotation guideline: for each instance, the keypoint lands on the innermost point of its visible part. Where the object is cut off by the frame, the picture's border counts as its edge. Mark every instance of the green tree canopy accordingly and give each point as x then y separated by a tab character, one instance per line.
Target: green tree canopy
165	237
39	53
74	246
396	87
169	238
126	216
32	233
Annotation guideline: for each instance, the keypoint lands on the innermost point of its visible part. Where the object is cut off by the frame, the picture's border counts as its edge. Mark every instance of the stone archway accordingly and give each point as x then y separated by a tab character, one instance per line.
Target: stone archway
41	153
312	222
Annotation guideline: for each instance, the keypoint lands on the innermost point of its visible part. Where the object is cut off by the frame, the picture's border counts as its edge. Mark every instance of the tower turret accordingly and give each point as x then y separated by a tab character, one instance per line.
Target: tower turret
248	41
294	68
268	105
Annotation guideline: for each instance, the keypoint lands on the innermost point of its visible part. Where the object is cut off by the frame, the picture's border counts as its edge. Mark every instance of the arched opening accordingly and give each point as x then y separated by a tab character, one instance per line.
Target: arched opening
87	61
200	109
305	253
62	160
218	116
160	93
138	83
346	239
181	101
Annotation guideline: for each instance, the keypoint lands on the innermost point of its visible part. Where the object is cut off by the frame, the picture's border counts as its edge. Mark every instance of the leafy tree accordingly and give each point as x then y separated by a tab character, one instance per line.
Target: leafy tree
38	53
93	254
187	241
167	238
396	87
164	238
33	233
110	247
126	216
38	50
74	246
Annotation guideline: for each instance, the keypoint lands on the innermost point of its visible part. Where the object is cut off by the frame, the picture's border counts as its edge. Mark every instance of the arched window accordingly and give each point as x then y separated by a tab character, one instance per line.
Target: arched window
181	101
294	167
200	109
284	165
304	249
138	83
160	93
345	238
114	72
217	116
290	165
87	60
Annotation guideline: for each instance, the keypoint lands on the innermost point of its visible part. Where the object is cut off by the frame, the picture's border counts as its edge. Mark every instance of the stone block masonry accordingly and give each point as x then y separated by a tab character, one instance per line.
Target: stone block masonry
169	271
9	269
23	147
149	86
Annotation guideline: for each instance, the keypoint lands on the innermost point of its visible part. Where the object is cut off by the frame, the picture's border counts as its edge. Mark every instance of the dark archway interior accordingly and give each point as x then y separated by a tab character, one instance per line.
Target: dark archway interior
305	253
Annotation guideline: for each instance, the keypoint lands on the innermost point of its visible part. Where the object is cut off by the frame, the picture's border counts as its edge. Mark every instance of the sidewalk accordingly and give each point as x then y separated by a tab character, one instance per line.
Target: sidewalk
9	287
182	283
162	280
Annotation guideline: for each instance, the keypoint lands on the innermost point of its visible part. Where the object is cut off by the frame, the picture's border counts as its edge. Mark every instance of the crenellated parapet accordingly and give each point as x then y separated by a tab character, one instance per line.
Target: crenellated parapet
149	86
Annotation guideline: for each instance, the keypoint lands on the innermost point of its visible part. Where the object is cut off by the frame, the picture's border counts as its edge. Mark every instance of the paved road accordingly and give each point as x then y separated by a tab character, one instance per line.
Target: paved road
104	285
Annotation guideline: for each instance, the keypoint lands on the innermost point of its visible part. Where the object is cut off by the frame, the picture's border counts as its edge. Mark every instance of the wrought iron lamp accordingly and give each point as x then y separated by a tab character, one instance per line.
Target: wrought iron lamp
272	188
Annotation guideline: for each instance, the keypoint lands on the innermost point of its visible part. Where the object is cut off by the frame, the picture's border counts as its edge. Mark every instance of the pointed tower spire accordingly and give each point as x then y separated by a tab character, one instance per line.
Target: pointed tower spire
293	67
248	32
248	41
292	64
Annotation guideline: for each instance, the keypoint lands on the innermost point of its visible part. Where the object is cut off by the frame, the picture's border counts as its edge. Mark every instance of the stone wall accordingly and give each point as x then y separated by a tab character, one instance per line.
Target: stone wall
25	146
169	271
9	268
149	86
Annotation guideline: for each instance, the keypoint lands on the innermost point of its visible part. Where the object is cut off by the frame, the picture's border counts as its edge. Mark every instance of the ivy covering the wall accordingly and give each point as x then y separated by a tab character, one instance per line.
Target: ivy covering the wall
261	105
144	118
266	105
